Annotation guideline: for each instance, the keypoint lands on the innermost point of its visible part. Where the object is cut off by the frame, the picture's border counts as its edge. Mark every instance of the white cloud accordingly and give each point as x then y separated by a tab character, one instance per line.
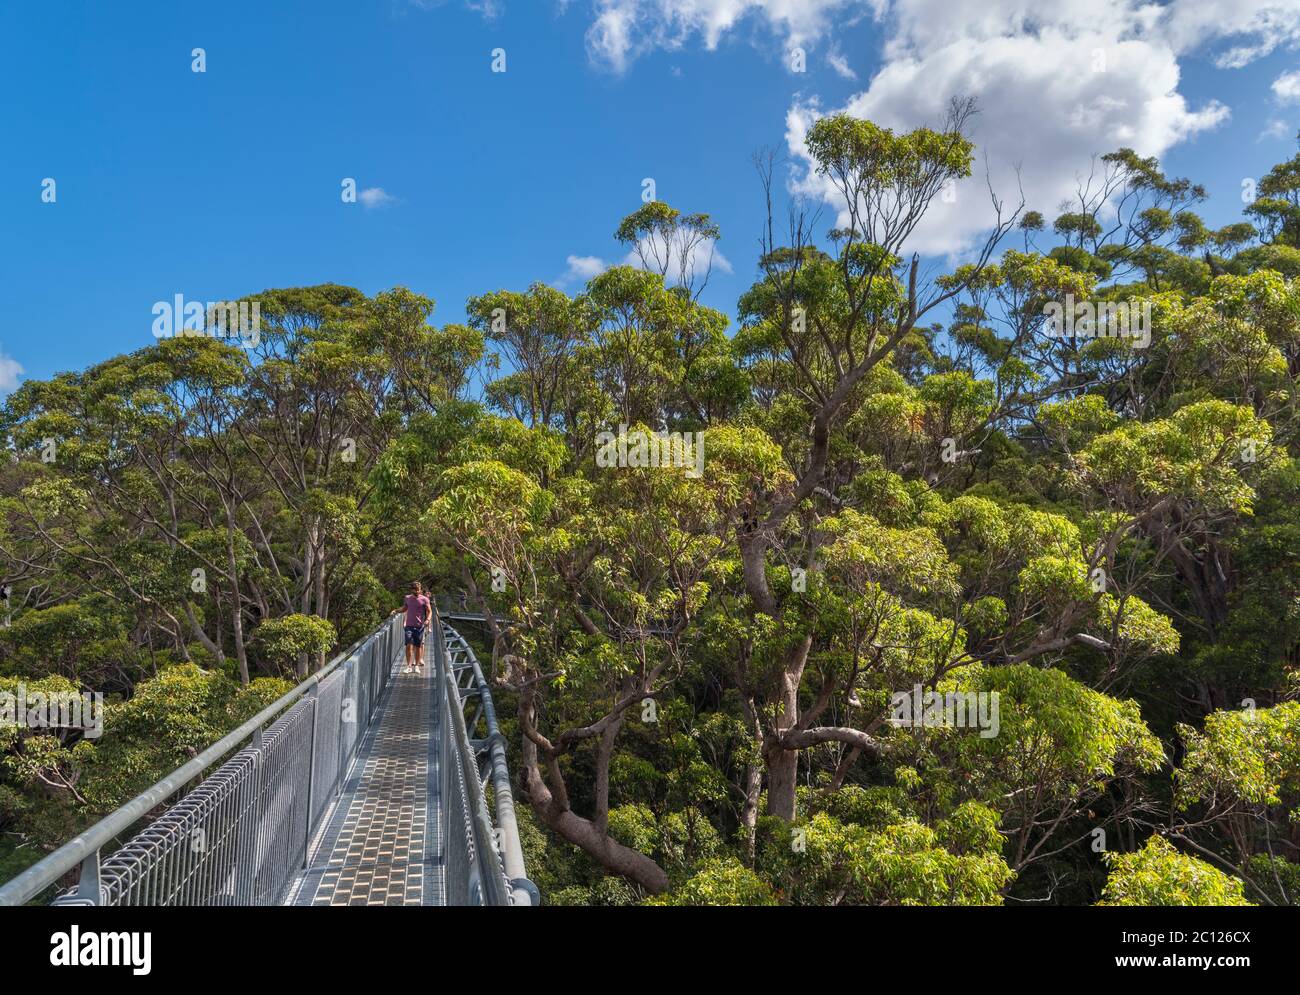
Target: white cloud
1055	87
490	10
1242	30
626	29
610	37
1287	87
581	269
1276	128
1057	84
702	259
1251	29
373	197
841	65
10	372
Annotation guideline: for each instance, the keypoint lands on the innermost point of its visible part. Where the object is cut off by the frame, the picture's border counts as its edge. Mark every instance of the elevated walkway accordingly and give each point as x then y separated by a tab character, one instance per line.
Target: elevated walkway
362	786
381	843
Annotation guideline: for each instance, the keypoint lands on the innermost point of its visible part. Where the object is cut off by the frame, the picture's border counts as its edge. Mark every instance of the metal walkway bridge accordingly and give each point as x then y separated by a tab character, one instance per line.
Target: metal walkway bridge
362	786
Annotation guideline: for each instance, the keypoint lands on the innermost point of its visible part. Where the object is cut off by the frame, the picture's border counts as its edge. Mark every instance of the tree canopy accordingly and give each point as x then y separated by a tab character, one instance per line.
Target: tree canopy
889	594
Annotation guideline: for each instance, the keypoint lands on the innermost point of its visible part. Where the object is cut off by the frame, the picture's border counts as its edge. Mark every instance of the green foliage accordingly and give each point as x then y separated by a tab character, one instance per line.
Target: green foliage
281	641
844	145
1159	875
1092	541
1251	756
723	881
166	722
828	862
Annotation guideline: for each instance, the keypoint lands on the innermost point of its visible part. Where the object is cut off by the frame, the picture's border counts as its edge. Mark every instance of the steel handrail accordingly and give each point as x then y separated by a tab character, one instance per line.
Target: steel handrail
84	849
497	836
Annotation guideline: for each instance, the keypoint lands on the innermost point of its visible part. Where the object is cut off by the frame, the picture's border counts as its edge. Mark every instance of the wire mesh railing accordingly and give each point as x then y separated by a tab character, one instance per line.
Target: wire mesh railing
241	834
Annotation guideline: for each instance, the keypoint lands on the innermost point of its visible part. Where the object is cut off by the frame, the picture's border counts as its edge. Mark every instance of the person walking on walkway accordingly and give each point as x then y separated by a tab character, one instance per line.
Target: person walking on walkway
419	620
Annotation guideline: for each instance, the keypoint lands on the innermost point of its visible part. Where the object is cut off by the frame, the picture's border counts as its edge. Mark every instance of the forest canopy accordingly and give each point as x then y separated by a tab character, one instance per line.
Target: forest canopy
873	493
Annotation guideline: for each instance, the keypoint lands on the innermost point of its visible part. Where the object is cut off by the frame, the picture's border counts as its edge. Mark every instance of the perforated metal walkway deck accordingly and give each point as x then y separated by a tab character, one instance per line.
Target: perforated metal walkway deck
380	844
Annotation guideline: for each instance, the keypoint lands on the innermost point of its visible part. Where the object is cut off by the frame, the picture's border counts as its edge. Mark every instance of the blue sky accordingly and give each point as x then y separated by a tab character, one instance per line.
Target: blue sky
227	182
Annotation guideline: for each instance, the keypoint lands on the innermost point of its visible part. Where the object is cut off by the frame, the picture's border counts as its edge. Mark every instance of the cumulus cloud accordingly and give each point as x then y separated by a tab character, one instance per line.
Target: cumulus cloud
1287	87
1245	30
1241	30
624	30
1057	84
680	262
1055	87
10	373
841	65
373	197
581	269
653	254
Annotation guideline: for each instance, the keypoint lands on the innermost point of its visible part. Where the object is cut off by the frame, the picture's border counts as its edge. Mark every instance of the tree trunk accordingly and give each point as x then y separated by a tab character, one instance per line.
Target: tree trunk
209	644
749	812
782	772
753	781
844	766
783	764
553	810
308	569
237	609
606	851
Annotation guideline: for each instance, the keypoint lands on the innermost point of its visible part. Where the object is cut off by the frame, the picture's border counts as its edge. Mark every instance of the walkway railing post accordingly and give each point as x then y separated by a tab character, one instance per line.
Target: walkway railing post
348	669
496	875
131	873
314	697
245	792
88	892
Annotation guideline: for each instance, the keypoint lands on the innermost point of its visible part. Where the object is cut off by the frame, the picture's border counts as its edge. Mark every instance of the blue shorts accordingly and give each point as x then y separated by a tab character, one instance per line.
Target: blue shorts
414	635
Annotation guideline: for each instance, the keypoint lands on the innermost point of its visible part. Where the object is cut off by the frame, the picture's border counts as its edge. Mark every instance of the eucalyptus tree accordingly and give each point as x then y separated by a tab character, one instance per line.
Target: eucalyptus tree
593	585
338	376
140	495
824	323
1237	790
679	247
537	334
1276	207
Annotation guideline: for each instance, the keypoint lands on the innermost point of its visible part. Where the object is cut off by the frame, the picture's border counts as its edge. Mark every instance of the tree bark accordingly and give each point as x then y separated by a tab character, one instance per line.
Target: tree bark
237	610
782	774
783	763
753	783
209	644
553	810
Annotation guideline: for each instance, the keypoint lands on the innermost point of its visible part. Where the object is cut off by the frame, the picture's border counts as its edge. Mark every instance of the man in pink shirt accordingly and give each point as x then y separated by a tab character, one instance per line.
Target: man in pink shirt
419	620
